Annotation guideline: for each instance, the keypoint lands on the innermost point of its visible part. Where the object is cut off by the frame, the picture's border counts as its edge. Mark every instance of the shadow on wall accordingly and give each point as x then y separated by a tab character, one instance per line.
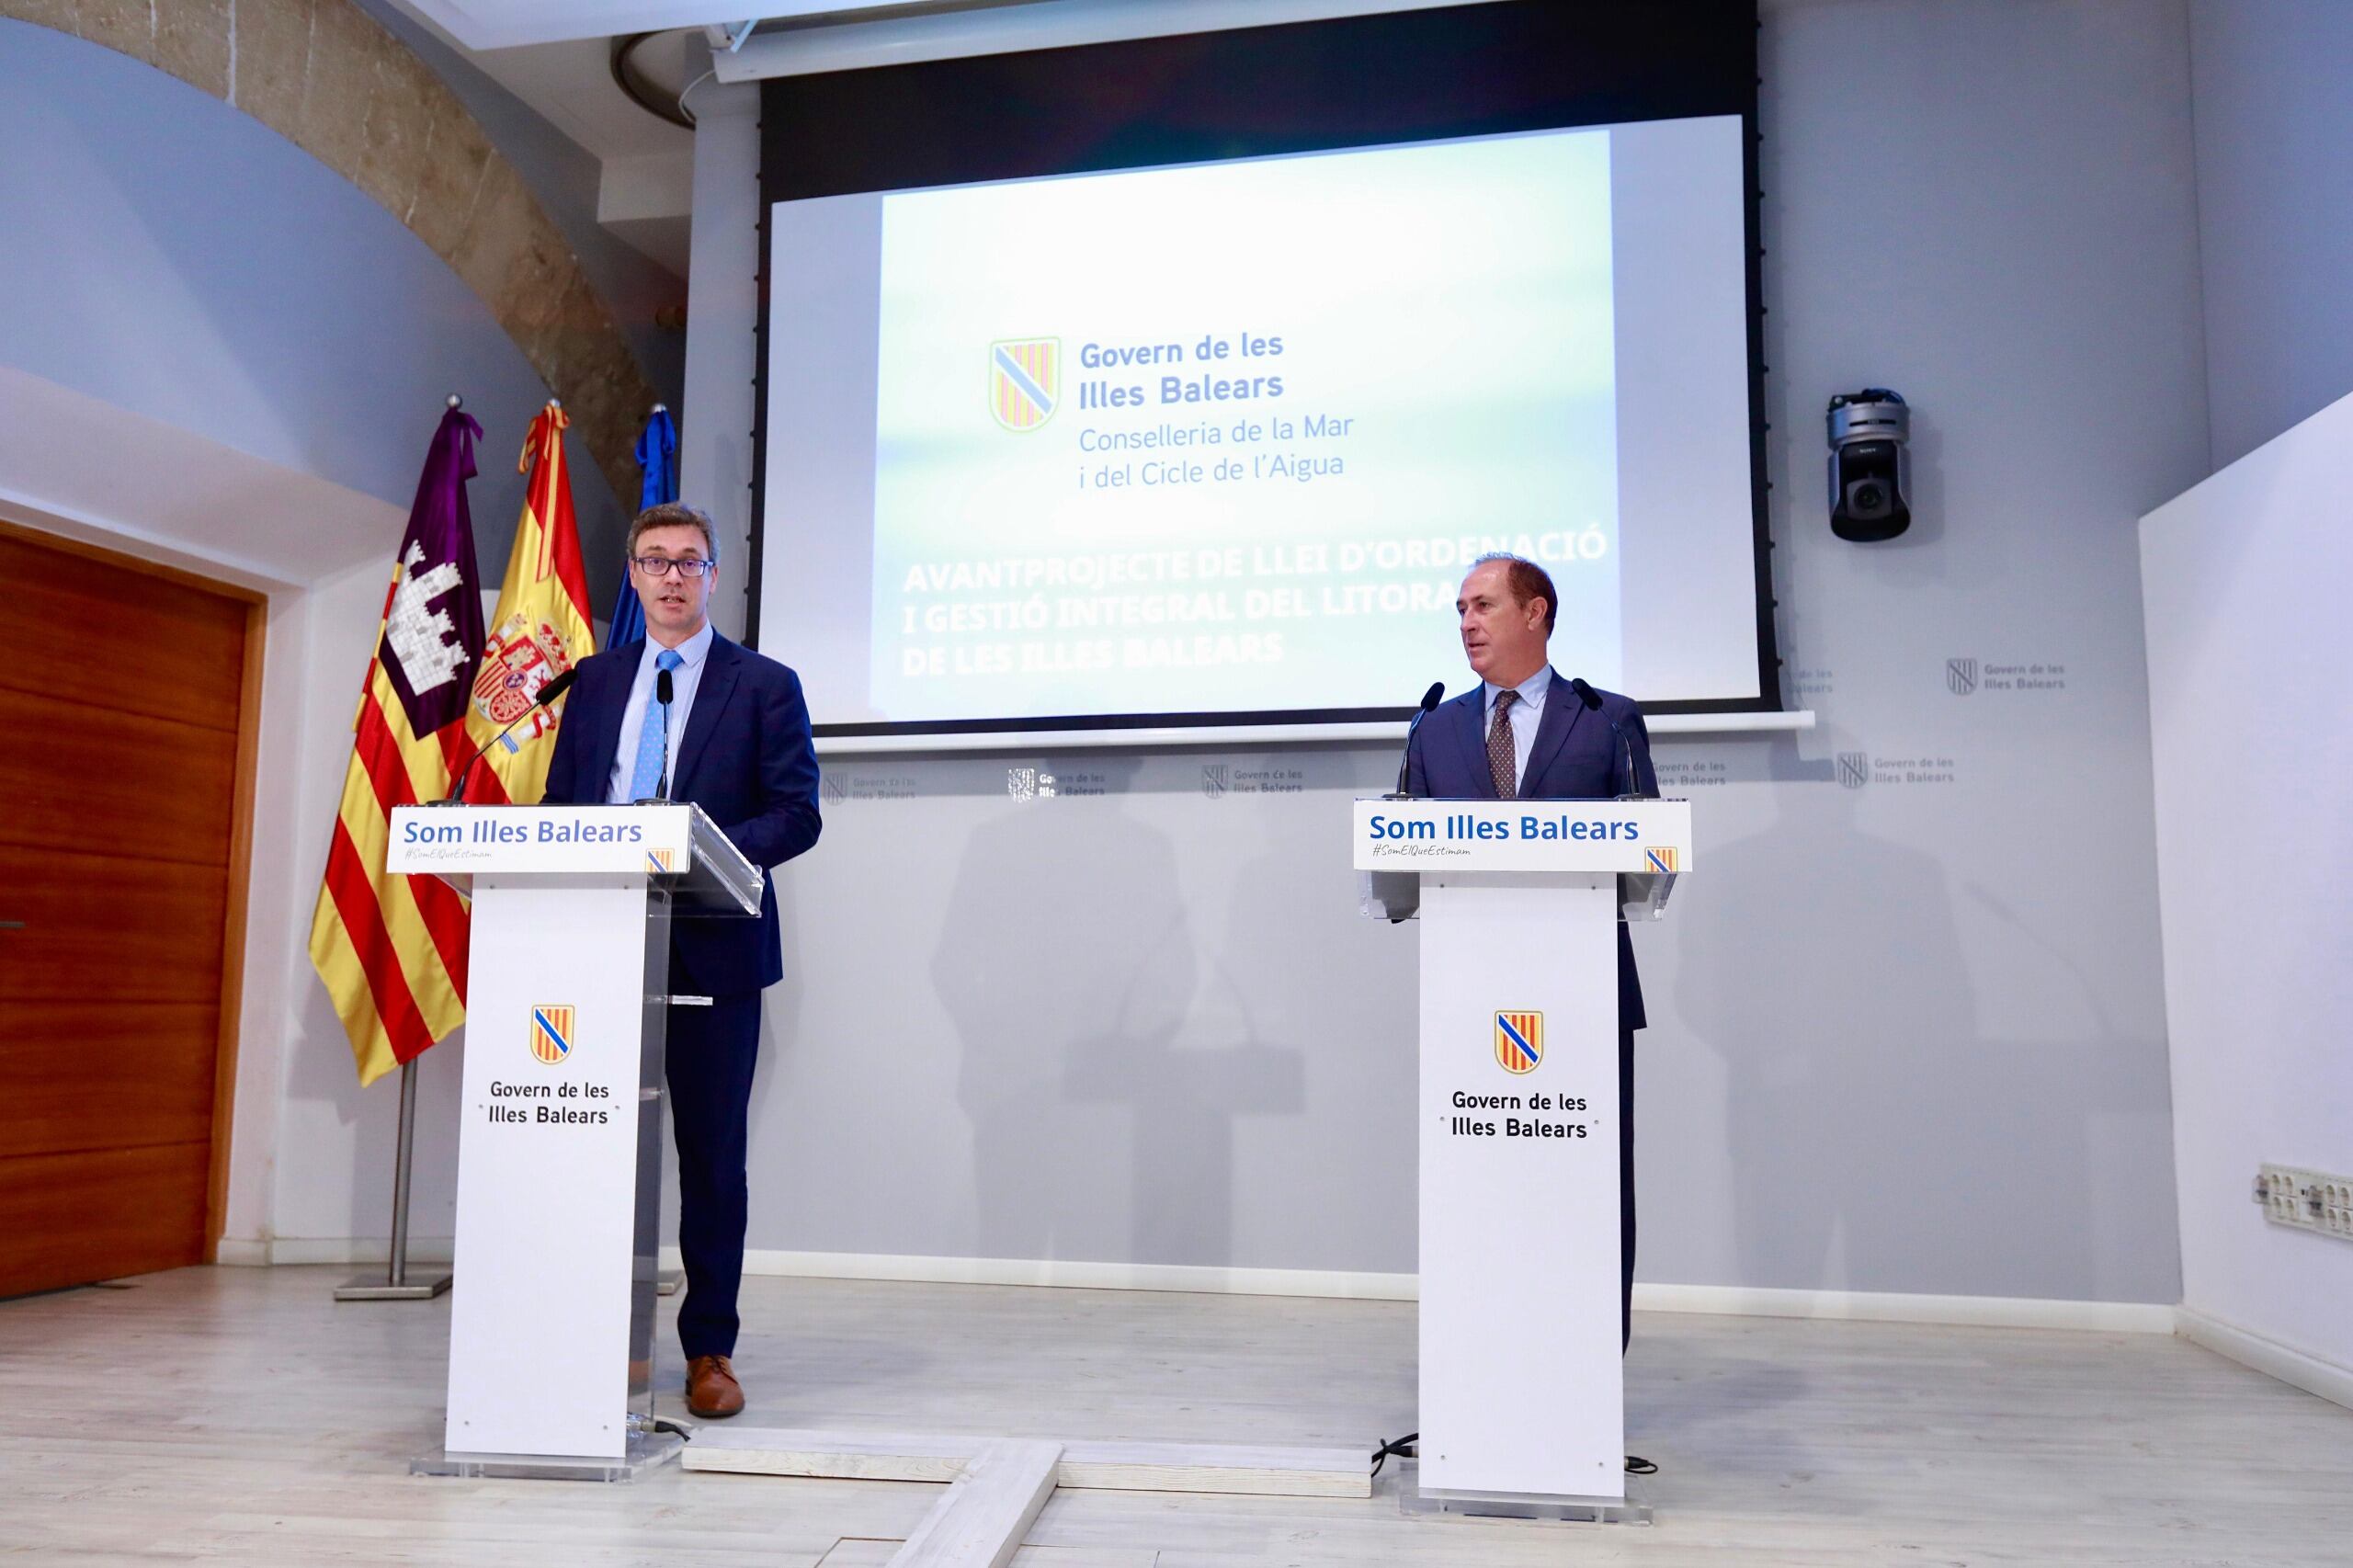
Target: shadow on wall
1842	1001
1071	1063
1186	1094
321	1075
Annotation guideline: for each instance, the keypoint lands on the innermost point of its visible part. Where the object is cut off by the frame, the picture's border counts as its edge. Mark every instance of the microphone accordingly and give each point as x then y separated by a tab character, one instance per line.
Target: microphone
556	687
1405	763
1633	774
1592	699
662	693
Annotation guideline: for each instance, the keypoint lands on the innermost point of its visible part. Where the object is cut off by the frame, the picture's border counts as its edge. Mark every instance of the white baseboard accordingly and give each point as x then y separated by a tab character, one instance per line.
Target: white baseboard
354	1251
231	1253
2301	1369
1892	1306
1077	1275
1730	1300
1874	1306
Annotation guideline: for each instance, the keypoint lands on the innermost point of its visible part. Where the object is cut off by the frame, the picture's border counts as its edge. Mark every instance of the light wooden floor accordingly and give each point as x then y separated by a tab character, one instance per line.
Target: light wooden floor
240	1415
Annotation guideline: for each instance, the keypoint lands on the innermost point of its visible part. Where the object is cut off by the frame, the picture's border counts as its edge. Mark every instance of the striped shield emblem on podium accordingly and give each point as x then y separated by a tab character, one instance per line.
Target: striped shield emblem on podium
551	1032
1519	1041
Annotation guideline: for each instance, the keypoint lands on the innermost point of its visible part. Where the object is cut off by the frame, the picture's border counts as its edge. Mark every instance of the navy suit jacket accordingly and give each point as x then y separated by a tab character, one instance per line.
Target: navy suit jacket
1581	754
746	759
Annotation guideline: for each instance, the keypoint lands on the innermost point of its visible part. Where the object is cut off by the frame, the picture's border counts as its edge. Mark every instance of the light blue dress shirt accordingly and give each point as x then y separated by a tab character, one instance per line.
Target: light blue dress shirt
1526	714
684	680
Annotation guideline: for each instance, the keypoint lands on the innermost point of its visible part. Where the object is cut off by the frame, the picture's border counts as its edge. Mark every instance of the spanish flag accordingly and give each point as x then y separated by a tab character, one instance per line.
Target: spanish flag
541	628
392	950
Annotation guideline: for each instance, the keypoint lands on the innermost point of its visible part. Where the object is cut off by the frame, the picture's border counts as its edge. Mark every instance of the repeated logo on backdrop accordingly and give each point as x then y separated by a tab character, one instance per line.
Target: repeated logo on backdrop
1028	784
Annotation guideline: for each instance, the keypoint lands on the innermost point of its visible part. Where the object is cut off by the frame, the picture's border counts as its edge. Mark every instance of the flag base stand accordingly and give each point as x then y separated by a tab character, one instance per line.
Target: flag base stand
371	1289
396	1285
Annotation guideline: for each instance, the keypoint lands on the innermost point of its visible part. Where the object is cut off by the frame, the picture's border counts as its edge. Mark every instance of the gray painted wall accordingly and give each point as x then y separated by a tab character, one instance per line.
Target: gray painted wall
2273	98
1908	1035
171	257
564	178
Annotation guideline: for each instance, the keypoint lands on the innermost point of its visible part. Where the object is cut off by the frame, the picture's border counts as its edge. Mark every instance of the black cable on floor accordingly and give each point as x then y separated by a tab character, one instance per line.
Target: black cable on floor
1403	1449
1396	1447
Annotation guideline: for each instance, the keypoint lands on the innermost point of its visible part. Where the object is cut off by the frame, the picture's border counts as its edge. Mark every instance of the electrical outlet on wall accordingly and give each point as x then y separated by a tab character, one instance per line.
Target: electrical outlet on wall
2307	1200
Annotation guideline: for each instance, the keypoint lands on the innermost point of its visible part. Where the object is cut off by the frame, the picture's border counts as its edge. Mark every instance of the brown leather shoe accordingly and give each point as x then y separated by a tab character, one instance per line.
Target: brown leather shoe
712	1392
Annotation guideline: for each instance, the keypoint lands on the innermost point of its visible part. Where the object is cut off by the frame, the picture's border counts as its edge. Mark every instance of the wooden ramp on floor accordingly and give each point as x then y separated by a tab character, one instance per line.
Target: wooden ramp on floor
867	1551
1083	1465
987	1510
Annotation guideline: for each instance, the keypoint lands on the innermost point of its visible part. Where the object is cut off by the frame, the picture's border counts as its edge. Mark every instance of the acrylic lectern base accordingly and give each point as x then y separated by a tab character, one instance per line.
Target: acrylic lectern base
645	1451
1412	1498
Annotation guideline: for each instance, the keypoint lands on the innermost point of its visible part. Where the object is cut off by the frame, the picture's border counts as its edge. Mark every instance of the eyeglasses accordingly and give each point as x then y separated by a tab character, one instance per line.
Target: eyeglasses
685	565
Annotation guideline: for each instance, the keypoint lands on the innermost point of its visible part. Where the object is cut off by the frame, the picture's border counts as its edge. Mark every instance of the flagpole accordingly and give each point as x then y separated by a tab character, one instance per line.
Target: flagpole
396	1286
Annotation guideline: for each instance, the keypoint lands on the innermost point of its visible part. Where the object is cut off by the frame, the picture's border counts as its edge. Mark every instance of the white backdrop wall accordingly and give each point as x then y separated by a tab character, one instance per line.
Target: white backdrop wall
2252	736
1908	1020
2256	994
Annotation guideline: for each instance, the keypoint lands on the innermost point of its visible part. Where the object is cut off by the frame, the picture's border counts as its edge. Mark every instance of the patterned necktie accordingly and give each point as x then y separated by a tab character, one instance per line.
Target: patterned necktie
1502	759
646	775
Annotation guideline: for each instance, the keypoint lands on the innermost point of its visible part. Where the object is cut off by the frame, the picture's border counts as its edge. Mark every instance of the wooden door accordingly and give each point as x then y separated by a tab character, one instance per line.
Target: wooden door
127	696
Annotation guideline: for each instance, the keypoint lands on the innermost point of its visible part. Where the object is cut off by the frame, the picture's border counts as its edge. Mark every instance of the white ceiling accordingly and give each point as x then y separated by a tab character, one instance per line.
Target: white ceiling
504	24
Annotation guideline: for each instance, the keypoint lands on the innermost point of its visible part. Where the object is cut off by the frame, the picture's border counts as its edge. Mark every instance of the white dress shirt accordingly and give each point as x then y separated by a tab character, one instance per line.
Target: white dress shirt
1526	714
684	680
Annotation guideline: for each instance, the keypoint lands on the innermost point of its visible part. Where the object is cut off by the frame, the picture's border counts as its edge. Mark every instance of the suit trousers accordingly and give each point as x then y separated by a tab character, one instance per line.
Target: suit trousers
1625	1187
711	1055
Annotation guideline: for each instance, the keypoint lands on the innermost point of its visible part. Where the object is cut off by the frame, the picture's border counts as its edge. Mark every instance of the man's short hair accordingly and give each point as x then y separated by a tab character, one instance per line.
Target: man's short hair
1529	580
674	515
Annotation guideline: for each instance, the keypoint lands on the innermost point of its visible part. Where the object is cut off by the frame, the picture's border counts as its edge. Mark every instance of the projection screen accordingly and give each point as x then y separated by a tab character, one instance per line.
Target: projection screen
1186	441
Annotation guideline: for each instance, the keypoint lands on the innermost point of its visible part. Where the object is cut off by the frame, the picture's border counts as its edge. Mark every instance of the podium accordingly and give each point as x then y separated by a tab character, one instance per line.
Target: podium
558	1150
1521	1396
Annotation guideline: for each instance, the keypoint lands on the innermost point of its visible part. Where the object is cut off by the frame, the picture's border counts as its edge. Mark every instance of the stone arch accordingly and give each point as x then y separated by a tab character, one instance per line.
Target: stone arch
328	78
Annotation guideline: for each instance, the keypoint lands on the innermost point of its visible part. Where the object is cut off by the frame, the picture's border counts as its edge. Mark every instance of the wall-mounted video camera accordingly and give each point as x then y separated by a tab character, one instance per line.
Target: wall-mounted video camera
1871	471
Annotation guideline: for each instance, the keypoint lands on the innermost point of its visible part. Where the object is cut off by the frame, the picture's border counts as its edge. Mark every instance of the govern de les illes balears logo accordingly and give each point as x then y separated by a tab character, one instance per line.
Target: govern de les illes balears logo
1025	380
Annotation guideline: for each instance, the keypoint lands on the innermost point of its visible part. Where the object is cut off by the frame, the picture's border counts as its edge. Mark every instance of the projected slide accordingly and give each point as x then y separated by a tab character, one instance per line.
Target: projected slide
1200	439
1225	438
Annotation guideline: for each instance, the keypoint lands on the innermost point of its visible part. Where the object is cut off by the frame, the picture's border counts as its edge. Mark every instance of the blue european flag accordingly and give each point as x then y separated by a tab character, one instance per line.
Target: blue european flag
657	464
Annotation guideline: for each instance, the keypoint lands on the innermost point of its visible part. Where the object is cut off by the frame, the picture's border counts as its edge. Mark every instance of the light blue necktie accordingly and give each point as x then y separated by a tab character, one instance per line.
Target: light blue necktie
647	773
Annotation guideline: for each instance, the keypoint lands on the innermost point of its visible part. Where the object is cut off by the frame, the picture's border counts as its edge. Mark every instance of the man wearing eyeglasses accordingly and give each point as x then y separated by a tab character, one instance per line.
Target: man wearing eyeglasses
735	742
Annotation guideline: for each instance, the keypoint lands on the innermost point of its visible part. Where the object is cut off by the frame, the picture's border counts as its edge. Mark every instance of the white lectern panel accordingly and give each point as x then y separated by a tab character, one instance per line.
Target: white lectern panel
1521	1385
547	1167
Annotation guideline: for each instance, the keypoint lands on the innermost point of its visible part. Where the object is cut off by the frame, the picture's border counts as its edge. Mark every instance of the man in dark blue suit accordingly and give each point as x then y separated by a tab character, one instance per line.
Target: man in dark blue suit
737	744
1526	733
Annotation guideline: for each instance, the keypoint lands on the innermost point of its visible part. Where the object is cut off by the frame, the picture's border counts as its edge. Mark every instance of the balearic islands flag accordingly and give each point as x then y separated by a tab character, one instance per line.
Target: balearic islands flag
392	950
541	628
